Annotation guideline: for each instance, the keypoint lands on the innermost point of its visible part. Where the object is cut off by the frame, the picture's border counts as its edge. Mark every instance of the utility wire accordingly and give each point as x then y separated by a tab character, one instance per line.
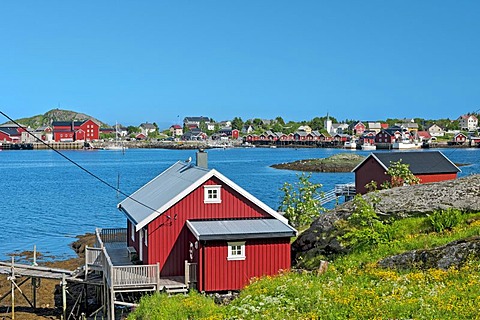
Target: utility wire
78	165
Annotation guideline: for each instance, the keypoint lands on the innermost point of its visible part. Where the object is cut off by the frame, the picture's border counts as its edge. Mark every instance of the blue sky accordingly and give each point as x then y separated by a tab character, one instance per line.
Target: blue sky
159	61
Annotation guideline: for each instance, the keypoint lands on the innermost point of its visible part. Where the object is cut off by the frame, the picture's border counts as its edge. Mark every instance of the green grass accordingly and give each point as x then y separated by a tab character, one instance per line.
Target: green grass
176	307
352	288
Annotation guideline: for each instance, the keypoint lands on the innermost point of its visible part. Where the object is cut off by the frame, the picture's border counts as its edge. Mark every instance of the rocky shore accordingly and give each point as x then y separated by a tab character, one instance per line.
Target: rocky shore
397	203
47	306
343	162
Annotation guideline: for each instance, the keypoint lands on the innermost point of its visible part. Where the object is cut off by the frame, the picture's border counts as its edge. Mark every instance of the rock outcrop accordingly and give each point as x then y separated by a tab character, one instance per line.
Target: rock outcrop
454	254
342	162
321	237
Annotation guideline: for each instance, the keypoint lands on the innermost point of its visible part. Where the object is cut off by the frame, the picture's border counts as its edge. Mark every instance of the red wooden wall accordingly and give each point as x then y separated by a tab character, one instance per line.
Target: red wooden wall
368	171
262	257
168	235
426	178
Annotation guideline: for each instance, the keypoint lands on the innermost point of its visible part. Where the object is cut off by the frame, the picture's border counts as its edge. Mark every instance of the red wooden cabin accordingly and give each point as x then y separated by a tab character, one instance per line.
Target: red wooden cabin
198	215
427	166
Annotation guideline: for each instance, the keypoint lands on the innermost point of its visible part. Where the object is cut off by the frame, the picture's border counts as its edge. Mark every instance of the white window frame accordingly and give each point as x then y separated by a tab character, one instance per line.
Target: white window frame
132	231
211	188
234	254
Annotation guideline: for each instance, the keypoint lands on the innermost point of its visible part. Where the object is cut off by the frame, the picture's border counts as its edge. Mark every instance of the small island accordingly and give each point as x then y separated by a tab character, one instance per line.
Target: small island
342	162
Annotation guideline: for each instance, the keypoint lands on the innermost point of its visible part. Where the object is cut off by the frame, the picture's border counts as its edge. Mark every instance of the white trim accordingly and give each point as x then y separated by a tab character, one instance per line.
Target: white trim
194	231
233	257
132	231
218	194
145	237
198	183
459	170
140	245
365	160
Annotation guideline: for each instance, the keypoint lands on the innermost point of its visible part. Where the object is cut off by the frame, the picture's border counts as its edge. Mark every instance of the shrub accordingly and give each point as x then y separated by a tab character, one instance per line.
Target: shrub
447	219
301	201
364	227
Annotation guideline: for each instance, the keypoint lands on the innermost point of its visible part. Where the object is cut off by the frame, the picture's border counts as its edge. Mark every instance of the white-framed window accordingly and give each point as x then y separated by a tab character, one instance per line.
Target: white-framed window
145	237
132	231
236	250
212	194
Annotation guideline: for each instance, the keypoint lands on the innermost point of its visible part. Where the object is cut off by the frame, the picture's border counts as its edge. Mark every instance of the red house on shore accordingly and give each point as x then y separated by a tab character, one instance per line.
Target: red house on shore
64	131
198	215
427	166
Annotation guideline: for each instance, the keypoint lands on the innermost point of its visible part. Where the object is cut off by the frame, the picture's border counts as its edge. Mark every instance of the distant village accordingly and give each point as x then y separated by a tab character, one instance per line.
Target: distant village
319	132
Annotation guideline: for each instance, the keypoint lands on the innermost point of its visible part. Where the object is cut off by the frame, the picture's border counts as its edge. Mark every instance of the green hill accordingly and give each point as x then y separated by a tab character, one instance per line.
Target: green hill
57	115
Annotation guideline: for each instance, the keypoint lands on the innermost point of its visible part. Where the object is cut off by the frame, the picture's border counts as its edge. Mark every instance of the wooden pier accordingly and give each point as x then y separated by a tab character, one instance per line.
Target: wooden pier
346	190
19	274
111	258
108	275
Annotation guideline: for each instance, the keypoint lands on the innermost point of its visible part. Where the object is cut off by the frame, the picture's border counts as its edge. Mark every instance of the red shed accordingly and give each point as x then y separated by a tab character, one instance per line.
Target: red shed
427	166
198	215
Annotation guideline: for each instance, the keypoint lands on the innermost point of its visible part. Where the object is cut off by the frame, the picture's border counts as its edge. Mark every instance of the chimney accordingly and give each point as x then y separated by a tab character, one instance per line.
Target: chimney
202	159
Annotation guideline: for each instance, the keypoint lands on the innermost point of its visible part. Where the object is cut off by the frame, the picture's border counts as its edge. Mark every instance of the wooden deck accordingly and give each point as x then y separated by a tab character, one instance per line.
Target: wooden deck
111	256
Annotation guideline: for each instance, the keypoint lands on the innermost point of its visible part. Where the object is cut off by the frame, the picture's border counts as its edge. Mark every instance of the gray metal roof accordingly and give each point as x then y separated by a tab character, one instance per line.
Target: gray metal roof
240	229
161	190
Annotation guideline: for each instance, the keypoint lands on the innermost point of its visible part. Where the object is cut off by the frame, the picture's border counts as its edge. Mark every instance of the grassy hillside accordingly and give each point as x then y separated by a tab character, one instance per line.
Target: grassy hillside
56	115
353	287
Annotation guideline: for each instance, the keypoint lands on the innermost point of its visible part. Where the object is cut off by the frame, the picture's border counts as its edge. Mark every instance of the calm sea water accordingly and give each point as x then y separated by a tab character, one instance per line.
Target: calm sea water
47	201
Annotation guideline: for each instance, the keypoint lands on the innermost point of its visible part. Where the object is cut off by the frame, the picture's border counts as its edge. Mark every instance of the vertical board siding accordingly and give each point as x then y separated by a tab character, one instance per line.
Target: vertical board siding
426	178
168	237
368	171
262	257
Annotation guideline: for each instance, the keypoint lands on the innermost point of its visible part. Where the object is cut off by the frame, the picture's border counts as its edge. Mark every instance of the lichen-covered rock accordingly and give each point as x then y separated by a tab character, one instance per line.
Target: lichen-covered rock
321	237
454	254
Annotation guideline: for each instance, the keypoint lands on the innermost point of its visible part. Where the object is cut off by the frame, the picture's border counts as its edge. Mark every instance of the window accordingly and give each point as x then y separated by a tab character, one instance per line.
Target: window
236	251
212	194
132	231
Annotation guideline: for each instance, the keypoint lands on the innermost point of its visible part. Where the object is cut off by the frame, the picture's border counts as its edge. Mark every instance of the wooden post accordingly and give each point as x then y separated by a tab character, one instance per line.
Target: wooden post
112	304
85	296
158	277
34	280
64	297
187	273
13	288
35	255
86	262
34	292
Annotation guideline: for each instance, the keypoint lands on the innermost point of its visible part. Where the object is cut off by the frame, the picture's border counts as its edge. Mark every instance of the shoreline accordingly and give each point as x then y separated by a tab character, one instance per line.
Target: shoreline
192	145
48	302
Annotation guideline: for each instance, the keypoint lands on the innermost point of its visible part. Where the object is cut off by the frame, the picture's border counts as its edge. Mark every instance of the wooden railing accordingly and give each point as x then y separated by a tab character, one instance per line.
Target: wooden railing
118	276
112	235
135	275
190	273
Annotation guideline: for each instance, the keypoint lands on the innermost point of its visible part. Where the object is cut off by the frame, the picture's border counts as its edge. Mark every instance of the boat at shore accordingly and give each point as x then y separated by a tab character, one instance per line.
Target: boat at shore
115	147
368	146
352	145
406	144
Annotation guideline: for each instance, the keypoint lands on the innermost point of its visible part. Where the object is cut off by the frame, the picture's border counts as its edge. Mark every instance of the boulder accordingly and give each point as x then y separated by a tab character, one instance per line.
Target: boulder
454	254
402	202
